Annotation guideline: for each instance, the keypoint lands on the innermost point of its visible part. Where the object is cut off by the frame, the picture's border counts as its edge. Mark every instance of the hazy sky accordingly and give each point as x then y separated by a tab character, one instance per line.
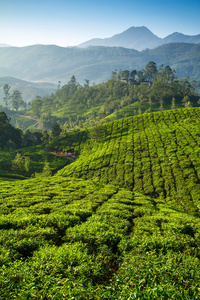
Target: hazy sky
69	23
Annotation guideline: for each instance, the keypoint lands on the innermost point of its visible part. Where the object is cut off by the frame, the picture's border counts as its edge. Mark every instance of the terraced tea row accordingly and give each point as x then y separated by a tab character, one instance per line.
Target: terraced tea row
156	154
65	239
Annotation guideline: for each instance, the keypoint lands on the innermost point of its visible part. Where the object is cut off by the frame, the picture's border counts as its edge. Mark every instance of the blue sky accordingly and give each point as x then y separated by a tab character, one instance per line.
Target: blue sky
69	23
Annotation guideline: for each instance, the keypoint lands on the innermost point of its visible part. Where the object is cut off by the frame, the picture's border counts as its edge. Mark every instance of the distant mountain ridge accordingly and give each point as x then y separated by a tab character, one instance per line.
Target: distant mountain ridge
178	37
50	63
140	38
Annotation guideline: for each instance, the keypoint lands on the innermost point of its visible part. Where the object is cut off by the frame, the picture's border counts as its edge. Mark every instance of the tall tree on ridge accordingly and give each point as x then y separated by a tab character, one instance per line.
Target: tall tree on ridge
7	96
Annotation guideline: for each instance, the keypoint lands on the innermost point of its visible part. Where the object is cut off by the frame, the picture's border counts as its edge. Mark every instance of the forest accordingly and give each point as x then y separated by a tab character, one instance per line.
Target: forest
127	93
107	206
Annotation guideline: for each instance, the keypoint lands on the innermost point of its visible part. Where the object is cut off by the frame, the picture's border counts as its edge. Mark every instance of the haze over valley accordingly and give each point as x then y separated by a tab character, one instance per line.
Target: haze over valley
95	60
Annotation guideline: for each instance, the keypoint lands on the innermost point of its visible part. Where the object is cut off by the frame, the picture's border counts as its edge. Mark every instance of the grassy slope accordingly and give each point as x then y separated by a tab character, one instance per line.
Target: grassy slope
130	232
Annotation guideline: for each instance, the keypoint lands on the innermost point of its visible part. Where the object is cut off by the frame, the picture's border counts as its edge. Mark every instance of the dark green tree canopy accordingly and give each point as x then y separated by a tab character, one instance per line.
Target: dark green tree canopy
56	130
151	70
8	132
7	96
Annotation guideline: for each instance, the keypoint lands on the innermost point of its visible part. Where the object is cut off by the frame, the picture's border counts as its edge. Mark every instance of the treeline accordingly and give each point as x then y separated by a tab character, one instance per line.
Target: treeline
152	88
28	154
13	138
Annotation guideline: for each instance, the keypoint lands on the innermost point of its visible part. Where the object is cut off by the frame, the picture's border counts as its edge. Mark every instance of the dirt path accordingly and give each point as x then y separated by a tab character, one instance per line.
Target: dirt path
70	155
31	117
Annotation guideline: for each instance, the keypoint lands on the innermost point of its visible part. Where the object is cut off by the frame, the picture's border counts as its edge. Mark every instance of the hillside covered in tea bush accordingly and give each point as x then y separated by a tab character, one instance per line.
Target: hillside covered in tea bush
119	222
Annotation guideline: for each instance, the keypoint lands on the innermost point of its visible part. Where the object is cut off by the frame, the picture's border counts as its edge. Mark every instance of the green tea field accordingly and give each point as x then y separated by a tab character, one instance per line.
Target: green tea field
120	222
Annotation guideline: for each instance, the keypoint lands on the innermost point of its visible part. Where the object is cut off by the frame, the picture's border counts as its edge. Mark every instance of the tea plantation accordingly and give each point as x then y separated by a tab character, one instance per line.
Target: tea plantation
120	222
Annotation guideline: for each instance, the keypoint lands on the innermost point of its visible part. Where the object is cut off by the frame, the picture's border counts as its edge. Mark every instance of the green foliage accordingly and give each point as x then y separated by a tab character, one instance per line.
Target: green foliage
131	230
32	160
46	170
17	164
6	98
8	134
154	153
56	130
36	106
63	239
77	106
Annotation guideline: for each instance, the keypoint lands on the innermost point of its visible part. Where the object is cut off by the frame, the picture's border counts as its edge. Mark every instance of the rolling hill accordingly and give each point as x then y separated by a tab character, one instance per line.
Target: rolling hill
122	221
150	153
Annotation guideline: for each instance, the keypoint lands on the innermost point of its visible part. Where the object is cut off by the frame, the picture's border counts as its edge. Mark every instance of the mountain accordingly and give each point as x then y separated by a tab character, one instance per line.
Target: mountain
50	63
29	90
138	38
178	37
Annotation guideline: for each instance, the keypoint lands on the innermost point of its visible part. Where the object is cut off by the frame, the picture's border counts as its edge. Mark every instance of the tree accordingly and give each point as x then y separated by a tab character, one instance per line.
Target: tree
31	138
188	104
56	130
46	170
27	164
168	74
46	120
150	103
59	83
17	164
73	85
36	106
114	75
161	105
173	105
141	75
151	70
45	137
185	100
87	83
187	87
6	97
8	132
125	75
133	74
17	100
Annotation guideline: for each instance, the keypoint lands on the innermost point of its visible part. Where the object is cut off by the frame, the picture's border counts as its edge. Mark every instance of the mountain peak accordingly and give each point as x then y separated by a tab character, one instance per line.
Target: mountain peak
140	38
